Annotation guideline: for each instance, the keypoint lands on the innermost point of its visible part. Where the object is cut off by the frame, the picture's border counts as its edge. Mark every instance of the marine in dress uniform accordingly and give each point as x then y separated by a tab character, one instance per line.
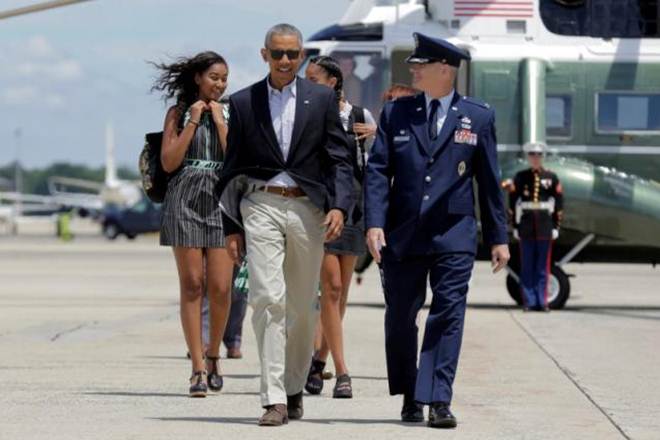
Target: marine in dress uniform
420	214
536	208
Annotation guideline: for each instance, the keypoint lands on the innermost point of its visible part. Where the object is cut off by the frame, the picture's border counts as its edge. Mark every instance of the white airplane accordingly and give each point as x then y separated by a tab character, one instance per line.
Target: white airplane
85	196
113	190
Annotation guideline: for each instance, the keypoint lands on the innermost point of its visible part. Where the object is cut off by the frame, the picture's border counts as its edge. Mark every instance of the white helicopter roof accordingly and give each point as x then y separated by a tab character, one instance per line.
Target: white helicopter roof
489	29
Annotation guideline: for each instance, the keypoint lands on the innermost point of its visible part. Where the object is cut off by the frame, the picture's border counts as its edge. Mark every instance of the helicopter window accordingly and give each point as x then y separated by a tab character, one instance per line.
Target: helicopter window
363	77
558	116
620	112
602	18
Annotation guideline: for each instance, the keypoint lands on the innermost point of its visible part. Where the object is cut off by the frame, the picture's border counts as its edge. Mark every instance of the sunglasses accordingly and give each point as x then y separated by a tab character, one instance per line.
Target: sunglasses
535	154
278	54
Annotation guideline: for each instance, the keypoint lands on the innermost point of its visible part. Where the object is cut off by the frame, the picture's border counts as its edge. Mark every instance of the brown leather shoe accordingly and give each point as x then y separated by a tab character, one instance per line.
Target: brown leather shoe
275	415
294	406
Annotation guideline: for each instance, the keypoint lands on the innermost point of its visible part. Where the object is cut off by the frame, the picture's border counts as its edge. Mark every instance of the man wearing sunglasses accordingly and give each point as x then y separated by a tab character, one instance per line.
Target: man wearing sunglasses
536	203
289	166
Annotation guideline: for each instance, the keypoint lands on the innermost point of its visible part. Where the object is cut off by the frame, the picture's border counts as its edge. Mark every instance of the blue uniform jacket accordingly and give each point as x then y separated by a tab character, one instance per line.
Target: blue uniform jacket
421	193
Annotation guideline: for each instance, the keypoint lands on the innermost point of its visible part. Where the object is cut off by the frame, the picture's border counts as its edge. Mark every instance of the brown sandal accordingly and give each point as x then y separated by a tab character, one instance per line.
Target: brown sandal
215	379
198	386
314	383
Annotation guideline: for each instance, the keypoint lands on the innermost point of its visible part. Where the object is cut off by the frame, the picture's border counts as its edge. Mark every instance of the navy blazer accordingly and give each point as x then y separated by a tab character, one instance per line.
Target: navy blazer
421	192
319	157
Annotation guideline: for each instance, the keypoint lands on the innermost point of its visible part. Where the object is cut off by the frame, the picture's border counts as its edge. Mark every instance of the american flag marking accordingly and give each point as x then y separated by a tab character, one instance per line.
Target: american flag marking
493	8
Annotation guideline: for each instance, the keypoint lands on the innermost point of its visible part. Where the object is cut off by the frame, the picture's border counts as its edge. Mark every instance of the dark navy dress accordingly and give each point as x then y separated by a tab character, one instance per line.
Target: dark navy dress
352	239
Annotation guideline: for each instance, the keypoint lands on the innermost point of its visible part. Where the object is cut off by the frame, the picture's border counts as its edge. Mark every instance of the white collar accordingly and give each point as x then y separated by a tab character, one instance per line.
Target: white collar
291	87
445	101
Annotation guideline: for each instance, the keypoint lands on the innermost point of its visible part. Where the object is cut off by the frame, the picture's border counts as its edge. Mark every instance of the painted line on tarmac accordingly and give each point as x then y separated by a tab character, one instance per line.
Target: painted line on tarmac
567	374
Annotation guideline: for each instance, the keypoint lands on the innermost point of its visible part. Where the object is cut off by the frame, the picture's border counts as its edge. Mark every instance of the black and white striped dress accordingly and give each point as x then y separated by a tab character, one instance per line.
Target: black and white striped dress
191	213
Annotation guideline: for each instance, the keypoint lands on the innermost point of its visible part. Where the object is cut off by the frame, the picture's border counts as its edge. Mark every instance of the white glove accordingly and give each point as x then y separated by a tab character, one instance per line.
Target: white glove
516	235
555	234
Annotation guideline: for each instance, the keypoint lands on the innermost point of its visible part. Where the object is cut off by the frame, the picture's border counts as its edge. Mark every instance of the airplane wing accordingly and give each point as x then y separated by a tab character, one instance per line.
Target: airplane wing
36	202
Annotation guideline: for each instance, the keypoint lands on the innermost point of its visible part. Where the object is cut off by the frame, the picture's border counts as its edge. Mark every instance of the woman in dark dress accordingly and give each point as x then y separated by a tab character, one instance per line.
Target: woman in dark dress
194	141
340	255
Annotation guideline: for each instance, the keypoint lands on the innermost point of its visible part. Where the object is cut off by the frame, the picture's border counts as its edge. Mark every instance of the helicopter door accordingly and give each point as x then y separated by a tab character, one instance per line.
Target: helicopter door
463	79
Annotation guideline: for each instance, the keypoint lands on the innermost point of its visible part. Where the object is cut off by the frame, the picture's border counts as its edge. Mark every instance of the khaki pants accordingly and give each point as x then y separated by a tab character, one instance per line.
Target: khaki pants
284	243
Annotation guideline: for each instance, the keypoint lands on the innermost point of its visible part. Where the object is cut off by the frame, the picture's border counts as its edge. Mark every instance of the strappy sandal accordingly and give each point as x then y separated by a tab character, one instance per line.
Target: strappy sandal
215	380
343	388
198	387
314	383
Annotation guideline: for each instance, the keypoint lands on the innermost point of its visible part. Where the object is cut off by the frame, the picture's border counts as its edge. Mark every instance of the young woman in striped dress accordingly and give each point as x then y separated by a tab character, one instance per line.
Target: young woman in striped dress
194	141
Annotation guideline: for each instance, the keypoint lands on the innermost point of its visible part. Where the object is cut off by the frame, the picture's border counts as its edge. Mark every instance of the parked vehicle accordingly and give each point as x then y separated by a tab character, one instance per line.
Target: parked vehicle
142	217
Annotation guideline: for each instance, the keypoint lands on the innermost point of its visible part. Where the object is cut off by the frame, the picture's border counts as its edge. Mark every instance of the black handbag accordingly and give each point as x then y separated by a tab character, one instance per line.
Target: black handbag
154	177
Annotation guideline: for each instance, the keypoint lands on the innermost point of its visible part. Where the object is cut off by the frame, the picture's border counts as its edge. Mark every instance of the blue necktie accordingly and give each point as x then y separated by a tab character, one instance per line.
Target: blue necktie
433	119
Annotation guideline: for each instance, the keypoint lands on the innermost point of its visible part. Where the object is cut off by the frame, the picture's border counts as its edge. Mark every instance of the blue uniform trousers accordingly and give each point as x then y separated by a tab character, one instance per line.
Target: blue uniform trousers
535	259
404	283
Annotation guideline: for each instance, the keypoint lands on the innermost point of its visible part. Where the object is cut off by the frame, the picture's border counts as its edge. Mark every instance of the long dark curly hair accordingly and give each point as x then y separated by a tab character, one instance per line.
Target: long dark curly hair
331	67
177	80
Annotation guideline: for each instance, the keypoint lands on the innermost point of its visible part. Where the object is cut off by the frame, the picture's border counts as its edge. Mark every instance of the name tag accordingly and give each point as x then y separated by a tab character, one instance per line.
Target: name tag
465	137
401	138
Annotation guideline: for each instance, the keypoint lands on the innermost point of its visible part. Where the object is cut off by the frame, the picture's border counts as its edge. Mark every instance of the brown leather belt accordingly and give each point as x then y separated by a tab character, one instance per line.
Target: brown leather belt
284	191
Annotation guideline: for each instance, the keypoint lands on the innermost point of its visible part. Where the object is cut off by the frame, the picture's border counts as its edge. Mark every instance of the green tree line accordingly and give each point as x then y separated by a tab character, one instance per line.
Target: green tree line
35	180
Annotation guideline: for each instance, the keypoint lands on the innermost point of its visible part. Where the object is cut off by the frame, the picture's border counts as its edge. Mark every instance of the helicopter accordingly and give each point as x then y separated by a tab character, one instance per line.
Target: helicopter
581	77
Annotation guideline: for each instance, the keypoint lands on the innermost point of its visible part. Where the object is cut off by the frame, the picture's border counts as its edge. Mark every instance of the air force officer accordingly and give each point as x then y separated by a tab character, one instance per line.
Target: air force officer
421	220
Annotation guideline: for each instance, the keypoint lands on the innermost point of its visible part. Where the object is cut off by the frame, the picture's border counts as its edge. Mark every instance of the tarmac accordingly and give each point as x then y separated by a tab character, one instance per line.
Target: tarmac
91	348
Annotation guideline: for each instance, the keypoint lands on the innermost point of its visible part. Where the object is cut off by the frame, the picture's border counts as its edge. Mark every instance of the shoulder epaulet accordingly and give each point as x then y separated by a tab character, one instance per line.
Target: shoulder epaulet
476	102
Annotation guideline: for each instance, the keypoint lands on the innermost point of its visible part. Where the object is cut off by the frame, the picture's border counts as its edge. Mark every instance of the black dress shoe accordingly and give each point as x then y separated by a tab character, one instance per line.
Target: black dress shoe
411	411
440	416
294	406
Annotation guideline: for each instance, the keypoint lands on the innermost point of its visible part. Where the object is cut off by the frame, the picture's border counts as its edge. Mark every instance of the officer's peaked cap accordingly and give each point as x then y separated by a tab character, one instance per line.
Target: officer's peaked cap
534	147
432	50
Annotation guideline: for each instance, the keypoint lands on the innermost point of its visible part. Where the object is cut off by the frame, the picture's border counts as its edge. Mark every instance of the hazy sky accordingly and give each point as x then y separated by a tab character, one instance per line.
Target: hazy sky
65	72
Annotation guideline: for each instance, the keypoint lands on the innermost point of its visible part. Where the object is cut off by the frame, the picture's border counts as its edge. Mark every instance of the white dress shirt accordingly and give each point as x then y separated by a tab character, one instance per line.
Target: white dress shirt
283	114
445	102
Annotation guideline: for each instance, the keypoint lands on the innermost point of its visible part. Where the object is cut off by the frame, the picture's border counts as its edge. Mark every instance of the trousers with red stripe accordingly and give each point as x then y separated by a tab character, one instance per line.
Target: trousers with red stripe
535	260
